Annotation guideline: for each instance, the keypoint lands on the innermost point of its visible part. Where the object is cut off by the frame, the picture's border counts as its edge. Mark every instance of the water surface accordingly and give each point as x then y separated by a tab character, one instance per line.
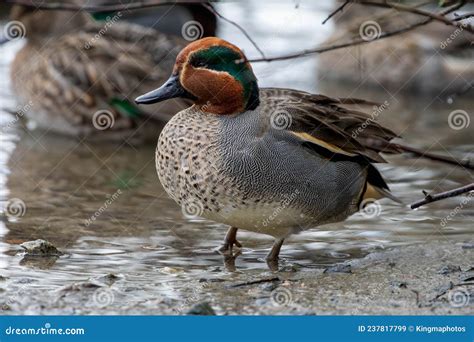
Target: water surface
143	238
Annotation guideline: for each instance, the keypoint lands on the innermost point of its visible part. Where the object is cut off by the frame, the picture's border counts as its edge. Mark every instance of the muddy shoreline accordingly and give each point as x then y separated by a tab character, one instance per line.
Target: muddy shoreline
433	278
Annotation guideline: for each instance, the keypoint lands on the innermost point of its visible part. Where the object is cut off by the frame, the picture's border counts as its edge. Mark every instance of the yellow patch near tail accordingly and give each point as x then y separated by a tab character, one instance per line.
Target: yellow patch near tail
372	192
375	193
328	146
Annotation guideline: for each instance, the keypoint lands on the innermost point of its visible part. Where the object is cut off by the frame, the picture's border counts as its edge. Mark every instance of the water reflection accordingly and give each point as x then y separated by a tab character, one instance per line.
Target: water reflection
142	236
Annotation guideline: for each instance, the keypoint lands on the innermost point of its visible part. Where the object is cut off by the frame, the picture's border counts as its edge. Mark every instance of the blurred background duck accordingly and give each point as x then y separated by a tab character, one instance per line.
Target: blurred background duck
433	59
78	76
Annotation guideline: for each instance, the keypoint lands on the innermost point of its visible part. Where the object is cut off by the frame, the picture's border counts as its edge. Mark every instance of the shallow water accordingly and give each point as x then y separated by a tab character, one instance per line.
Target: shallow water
143	237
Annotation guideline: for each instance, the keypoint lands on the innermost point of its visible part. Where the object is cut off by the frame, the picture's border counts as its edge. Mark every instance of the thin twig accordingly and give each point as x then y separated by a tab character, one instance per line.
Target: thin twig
254	282
240	28
389	147
442	195
322	49
462	91
151	3
409	9
97	8
463	16
428	155
337	10
356	42
130	6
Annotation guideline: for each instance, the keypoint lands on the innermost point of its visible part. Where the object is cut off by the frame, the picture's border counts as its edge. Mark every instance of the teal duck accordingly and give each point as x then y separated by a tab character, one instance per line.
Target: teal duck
267	160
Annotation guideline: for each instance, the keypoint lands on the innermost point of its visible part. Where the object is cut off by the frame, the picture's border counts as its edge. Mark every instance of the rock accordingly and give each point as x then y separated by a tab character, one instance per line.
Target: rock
108	279
290	268
170	270
211	280
269	287
40	248
79	287
399	284
339	268
201	309
448	269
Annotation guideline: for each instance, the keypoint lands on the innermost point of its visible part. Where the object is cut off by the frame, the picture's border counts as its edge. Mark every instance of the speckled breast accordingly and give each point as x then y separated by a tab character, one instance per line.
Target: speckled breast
235	170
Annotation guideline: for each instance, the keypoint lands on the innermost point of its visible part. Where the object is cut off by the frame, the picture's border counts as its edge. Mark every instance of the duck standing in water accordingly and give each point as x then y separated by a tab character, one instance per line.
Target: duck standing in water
272	161
80	76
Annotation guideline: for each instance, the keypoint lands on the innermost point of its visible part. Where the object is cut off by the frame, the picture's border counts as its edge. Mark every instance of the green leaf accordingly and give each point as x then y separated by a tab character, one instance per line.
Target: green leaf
126	108
102	16
126	179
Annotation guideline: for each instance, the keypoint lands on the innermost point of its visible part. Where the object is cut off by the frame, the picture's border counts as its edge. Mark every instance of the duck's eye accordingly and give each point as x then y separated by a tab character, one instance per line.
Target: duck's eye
200	64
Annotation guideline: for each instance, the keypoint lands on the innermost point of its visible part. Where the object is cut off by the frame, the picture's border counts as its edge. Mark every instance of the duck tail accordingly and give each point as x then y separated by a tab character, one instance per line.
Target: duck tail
376	187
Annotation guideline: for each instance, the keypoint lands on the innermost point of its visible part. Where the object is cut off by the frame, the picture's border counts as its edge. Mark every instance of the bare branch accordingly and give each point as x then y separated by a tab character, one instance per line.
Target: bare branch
359	41
337	10
97	8
442	195
414	10
354	42
462	91
382	146
241	29
467	164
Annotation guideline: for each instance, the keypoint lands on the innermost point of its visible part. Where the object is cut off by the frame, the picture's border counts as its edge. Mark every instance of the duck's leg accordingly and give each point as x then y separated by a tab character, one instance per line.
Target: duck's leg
230	240
229	261
272	257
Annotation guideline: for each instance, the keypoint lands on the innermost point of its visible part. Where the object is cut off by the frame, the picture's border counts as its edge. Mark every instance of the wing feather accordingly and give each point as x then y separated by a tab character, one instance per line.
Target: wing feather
330	123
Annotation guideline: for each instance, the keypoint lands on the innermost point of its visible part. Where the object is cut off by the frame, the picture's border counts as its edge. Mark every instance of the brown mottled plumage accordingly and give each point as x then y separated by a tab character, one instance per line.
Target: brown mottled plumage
73	67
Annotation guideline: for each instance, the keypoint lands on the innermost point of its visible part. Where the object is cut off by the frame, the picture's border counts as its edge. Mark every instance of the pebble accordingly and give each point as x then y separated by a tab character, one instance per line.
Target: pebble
339	268
201	309
40	248
448	269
